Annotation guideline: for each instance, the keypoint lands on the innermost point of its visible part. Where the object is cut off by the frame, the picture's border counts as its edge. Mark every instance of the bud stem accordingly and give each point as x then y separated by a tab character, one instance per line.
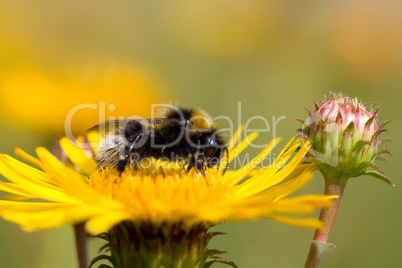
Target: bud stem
334	185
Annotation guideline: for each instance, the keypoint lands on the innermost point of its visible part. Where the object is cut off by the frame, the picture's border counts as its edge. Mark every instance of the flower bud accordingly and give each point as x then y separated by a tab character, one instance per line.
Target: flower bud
345	138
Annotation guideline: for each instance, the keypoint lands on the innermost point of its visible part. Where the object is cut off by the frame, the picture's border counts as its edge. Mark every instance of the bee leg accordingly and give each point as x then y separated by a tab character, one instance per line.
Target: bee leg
125	154
189	164
194	163
197	164
202	171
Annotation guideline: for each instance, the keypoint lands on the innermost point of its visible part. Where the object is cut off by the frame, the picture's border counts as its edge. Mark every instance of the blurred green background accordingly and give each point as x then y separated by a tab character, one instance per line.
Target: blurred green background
275	57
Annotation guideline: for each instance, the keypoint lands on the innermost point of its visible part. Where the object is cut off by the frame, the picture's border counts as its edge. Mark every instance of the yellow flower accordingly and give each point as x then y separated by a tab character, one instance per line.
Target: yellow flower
74	98
149	204
104	199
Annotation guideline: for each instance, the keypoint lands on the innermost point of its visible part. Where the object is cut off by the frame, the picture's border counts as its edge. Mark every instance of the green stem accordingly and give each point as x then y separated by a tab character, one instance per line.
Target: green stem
334	185
81	244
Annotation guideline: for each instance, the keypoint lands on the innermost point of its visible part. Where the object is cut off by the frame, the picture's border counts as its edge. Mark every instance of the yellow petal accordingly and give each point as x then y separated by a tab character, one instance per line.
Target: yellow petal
27	157
94	140
77	155
13	188
301	222
244	171
243	144
104	222
49	218
236	137
31	184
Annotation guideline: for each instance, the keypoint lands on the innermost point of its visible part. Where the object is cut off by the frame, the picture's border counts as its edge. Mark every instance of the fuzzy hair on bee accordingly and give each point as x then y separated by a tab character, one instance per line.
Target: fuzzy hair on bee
178	134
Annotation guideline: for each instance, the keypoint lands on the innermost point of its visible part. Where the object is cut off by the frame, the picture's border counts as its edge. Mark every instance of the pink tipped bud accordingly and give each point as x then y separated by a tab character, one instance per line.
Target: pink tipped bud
345	137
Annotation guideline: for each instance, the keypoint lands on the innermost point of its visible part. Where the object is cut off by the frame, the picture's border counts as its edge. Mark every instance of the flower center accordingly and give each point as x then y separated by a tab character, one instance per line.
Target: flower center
165	195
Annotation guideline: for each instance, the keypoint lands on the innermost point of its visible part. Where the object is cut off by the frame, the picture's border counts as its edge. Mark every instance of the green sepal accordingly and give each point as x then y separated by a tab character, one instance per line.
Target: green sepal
368	123
380	176
211	235
211	252
350	127
384	151
359	147
105	247
100	258
378	132
380	157
313	160
363	167
383	124
215	259
104	236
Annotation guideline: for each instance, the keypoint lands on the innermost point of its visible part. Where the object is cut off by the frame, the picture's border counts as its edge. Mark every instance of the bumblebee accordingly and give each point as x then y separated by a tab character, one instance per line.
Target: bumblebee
179	134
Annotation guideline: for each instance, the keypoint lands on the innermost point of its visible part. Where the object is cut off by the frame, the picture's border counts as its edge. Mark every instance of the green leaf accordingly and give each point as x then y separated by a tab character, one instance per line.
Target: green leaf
214	259
317	251
323	248
380	176
104	266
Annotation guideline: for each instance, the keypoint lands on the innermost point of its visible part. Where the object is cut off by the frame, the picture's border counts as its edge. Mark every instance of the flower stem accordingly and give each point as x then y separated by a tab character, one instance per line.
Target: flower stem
334	185
81	244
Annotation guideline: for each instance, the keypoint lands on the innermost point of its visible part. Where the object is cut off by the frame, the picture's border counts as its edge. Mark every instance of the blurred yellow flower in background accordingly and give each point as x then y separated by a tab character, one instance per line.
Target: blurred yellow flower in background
227	29
366	36
14	46
42	100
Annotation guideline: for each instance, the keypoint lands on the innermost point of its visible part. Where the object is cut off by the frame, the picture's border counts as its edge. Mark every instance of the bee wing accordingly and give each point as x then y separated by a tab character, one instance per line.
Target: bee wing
113	124
167	121
108	125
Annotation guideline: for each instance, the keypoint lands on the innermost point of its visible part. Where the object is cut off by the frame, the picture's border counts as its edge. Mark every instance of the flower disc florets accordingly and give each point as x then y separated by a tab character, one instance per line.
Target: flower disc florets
345	137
